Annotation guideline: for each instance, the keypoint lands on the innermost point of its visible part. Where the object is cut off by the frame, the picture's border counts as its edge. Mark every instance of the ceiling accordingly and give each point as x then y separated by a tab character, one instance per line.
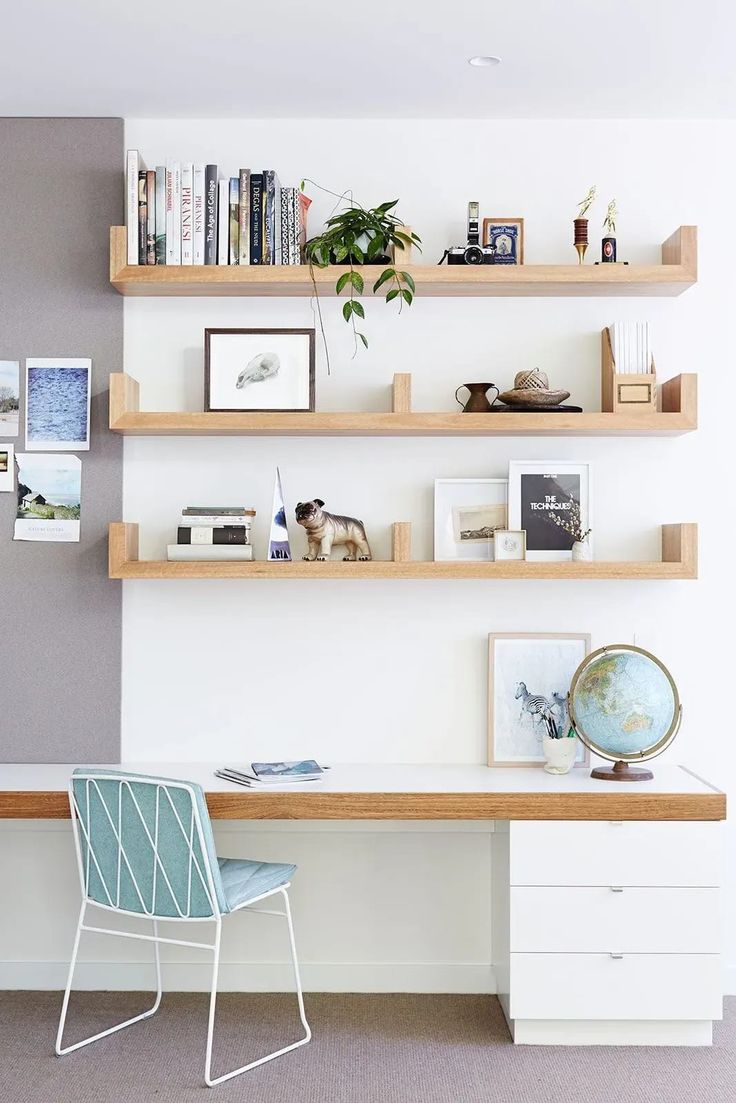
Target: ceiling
376	59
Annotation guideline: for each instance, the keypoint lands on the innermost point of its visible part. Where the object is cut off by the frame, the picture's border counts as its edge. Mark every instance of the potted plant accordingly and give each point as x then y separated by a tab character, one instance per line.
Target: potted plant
363	236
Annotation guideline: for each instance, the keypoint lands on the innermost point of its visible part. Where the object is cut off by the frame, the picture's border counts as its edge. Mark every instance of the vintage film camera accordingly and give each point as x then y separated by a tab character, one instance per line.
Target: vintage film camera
473	252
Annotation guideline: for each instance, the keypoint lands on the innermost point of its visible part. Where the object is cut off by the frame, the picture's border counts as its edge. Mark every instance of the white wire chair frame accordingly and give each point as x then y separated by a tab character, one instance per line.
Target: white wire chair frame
199	863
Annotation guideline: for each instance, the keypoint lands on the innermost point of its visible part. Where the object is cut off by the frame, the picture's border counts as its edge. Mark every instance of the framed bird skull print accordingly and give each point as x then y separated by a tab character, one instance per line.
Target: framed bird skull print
258	370
529	676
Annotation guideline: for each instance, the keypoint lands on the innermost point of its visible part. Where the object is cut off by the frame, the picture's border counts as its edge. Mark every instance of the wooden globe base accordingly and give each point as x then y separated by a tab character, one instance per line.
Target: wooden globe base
621	771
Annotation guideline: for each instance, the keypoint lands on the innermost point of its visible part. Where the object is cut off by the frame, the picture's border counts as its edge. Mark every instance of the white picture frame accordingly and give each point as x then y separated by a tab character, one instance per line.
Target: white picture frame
544	663
58	394
466	506
530	503
509	545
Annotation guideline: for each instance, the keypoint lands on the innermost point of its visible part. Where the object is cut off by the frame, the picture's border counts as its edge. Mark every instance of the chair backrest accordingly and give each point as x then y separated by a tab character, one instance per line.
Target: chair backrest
145	845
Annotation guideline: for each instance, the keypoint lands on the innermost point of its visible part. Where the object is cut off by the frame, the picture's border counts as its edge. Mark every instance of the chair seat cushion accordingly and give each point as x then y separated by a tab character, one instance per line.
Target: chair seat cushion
244	880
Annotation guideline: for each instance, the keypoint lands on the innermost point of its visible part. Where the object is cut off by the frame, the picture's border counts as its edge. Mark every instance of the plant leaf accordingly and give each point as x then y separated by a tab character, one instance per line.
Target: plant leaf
386	207
357	308
408	280
392	294
375	246
340	252
347	309
344	278
357	281
407	297
386	275
364	339
358	255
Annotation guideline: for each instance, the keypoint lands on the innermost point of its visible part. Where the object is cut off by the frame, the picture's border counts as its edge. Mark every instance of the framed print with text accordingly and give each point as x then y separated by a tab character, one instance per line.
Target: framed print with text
537	490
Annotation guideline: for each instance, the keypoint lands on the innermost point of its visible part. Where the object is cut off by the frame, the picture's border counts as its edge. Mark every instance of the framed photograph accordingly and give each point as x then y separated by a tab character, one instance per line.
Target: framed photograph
57	404
506	235
9	397
259	370
467	513
529	676
7	467
509	544
537	490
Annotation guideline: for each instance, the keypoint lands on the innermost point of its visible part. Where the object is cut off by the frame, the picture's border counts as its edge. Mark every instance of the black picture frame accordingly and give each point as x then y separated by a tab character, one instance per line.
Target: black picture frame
209	333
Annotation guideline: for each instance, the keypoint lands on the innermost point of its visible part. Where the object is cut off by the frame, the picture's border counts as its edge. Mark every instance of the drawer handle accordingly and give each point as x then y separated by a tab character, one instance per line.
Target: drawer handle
617	957
616	888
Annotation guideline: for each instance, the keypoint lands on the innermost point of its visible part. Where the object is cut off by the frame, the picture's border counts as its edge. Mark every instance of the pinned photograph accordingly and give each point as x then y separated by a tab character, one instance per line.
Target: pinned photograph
258	370
49	498
57	404
7	467
529	678
9	397
467	514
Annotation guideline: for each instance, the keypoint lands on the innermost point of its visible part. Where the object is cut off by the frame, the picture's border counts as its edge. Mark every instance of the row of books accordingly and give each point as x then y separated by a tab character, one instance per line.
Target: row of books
273	773
213	533
182	213
631	347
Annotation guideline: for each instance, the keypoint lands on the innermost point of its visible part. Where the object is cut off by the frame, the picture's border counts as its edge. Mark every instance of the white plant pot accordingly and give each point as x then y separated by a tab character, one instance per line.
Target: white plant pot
559	753
582	552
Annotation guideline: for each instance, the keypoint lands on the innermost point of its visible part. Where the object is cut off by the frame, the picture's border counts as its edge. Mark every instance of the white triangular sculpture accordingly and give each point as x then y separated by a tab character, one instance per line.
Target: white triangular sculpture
278	541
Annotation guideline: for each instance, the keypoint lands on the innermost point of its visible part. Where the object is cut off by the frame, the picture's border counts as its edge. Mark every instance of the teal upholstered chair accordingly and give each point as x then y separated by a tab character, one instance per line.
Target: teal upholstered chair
145	848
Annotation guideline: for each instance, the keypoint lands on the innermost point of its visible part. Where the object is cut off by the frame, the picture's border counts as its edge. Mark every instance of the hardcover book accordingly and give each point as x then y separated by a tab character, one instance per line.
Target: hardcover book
142	216
173	212
198	214
271	217
216	520
133	165
187	214
150	217
223	220
160	214
285	251
234	222
206	534
209	552
210	214
244	217
229	511
256	218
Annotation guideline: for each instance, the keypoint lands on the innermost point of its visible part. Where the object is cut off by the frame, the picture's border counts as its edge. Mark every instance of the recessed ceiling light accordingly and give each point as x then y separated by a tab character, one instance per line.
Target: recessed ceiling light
484	61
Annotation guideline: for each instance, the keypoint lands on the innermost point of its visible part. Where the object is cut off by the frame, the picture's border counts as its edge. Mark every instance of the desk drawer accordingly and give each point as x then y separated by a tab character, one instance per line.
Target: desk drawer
565	852
598	986
599	920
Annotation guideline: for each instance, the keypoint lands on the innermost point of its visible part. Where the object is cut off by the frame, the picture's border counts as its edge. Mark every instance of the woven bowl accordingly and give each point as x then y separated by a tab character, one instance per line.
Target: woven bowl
531	380
529	397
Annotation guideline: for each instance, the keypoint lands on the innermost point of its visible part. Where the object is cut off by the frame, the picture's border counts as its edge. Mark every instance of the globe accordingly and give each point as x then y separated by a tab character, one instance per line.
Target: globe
624	705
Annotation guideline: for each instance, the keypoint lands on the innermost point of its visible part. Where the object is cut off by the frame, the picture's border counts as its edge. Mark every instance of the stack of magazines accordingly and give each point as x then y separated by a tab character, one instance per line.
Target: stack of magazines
262	774
213	533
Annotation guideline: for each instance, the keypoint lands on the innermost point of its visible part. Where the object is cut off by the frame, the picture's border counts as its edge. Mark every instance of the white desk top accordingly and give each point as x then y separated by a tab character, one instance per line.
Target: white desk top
388	791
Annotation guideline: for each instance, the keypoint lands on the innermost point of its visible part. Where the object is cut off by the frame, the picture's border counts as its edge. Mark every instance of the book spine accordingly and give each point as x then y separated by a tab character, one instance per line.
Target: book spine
269	192
223	220
160	214
284	205
173	212
234	222
198	214
256	218
294	227
151	217
278	257
132	168
303	204
244	217
204	552
142	216
210	214
187	223
219	511
205	534
216	520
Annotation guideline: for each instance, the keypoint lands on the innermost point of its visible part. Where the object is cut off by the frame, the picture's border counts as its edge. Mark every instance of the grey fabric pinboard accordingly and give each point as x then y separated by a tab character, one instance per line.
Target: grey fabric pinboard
61	188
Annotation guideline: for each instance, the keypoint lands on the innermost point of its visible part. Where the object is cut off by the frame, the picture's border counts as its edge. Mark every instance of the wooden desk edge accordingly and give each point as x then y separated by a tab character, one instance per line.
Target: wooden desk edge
414	806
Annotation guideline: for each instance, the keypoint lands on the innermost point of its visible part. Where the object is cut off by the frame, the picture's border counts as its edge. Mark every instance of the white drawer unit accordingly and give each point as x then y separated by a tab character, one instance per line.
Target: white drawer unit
608	932
615	853
615	919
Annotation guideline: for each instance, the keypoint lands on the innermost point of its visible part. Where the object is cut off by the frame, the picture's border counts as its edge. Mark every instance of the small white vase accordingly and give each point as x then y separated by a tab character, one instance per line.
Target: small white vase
559	753
582	552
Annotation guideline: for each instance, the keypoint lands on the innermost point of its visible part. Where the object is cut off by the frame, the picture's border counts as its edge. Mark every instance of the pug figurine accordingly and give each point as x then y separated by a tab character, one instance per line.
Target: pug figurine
325	529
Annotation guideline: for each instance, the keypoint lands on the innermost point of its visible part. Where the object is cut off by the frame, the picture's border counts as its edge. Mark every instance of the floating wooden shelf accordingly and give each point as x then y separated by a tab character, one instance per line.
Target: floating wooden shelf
679	561
679	415
675	274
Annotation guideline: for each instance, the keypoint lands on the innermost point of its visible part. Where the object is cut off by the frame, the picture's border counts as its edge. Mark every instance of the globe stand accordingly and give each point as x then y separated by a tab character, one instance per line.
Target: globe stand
621	771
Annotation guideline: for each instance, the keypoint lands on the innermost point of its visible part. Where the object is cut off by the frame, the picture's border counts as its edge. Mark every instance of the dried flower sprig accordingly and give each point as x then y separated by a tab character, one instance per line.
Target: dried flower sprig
571	522
585	204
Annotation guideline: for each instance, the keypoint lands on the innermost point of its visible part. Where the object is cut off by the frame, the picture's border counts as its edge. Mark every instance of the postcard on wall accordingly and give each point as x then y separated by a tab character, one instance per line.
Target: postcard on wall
529	678
49	497
7	467
9	397
57	404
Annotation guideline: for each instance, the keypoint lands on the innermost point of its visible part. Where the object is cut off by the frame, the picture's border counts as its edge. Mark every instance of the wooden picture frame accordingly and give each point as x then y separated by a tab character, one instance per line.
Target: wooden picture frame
223	372
492	226
498	743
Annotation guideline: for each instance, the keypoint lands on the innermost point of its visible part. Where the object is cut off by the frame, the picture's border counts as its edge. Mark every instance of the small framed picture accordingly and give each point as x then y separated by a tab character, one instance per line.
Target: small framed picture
258	370
509	544
506	235
57	404
467	513
7	467
529	676
539	490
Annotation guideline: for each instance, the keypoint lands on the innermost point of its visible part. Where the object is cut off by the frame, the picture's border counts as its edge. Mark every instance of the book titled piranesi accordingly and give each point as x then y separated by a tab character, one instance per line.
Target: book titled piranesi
198	213
187	214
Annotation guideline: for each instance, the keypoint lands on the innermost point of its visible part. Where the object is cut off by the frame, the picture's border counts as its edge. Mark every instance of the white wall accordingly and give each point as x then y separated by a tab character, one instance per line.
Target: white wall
379	671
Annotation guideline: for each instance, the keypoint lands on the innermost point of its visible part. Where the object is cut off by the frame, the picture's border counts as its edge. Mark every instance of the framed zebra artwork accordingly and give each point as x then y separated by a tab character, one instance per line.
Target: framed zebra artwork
529	675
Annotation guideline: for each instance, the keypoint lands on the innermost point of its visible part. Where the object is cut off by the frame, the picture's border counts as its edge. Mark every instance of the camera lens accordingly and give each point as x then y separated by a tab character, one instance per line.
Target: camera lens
473	254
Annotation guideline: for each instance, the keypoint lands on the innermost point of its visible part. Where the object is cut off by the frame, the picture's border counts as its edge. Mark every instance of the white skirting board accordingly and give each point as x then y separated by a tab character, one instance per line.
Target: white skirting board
245	976
611	1032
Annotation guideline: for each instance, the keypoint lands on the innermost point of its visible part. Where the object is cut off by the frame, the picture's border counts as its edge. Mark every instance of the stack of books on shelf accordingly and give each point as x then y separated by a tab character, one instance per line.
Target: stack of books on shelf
213	533
182	213
262	774
631	347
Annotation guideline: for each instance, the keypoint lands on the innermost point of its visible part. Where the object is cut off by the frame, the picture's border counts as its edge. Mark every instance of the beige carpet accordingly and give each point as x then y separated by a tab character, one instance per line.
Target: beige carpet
366	1048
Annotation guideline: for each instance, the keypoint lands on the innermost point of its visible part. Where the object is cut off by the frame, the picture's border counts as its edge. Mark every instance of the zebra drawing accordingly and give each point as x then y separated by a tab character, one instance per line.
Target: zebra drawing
534	705
559	706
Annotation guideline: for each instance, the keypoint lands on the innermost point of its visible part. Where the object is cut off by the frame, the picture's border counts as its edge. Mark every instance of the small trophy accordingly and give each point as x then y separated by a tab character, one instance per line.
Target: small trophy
581	223
608	244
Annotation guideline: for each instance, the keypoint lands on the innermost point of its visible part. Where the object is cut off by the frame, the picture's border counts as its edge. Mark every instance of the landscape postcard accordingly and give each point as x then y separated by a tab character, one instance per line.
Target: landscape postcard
7	467
9	397
49	497
57	404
